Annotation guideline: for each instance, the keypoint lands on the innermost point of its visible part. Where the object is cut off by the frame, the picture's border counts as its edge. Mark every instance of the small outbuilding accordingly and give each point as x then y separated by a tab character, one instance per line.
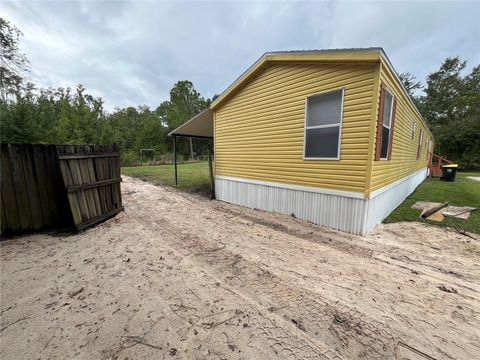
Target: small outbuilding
330	136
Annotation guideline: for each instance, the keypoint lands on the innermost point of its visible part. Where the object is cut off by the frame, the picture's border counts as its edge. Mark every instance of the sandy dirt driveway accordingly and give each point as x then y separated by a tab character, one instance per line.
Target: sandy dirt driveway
181	277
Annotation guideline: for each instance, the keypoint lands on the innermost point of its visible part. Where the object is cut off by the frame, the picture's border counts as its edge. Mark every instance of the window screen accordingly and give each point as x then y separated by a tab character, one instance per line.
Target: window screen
322	125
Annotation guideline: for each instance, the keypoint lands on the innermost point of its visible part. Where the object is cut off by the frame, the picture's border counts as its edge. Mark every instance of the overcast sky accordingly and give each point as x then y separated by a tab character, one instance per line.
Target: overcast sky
131	53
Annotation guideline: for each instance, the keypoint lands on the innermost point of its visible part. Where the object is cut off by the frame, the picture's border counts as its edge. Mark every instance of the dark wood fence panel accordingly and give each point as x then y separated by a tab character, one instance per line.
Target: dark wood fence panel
32	193
91	176
58	185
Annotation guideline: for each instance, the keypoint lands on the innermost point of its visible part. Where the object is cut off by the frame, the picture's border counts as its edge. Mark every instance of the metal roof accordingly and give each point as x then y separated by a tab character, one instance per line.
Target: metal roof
322	51
201	125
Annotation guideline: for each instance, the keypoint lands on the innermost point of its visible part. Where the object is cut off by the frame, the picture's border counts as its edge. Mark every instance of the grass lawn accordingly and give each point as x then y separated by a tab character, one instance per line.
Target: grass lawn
190	175
462	192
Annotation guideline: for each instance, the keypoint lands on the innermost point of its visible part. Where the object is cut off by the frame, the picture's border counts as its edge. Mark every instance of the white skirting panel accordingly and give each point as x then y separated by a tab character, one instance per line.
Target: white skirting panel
344	211
383	201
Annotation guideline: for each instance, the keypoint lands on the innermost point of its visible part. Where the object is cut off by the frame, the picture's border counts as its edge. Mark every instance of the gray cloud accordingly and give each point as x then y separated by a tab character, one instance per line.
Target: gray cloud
131	53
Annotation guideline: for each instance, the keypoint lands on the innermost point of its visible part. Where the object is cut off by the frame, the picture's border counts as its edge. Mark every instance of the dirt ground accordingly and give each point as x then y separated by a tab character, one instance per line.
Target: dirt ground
180	277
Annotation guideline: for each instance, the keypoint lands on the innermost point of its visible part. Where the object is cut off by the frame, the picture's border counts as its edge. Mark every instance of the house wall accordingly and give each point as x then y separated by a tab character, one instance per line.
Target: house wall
259	137
259	131
403	161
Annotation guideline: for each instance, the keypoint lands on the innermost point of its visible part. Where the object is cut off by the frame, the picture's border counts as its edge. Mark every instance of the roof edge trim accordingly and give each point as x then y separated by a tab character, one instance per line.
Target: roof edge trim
335	55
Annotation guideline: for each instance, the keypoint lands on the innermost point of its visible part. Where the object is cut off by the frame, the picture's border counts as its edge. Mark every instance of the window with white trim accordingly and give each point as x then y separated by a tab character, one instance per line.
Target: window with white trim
414	127
387	123
323	122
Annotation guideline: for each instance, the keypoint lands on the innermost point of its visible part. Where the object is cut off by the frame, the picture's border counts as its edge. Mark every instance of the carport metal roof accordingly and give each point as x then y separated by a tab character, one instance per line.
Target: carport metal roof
200	126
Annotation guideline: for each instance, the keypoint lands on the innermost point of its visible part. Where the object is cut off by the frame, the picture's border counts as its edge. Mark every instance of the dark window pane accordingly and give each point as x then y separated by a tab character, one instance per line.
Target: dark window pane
385	141
322	142
324	109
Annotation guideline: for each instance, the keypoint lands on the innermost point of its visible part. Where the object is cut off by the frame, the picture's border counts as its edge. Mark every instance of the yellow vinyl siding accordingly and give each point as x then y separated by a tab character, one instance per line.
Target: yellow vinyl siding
259	131
403	161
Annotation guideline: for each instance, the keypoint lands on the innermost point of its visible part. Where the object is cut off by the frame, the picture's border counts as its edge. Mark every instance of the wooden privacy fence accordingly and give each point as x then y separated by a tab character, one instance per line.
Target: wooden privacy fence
58	186
31	186
91	175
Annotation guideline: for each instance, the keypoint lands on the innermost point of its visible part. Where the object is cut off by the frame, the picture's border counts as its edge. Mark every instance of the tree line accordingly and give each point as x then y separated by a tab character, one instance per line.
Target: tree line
73	116
66	116
449	100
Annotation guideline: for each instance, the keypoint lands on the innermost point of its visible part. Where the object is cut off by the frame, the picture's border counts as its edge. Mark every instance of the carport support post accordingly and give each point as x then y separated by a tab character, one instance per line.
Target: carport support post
175	158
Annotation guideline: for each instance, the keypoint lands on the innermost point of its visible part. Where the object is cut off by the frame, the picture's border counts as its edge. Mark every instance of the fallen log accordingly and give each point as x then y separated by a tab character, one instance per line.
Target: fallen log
434	210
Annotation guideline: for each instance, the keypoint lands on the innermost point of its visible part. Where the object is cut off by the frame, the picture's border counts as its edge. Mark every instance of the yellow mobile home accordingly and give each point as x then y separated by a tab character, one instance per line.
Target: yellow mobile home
330	136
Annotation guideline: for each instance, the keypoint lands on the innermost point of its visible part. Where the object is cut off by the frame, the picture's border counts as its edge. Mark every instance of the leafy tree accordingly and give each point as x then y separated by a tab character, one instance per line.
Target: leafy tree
185	102
451	107
52	116
13	63
411	83
136	128
17	123
443	93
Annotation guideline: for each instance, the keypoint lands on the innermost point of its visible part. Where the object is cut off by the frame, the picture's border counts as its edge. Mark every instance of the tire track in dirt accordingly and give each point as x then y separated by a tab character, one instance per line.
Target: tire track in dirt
314	235
284	339
338	326
408	309
413	265
436	272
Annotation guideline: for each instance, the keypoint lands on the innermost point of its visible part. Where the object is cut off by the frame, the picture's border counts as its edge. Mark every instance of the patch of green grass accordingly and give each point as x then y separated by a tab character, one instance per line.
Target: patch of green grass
461	192
190	175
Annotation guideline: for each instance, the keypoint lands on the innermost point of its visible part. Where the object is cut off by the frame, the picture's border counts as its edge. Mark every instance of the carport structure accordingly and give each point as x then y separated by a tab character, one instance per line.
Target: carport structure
200	127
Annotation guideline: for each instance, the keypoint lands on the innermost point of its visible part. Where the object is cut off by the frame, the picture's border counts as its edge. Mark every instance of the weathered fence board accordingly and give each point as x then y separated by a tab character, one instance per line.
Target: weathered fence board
10	214
31	189
92	181
58	185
